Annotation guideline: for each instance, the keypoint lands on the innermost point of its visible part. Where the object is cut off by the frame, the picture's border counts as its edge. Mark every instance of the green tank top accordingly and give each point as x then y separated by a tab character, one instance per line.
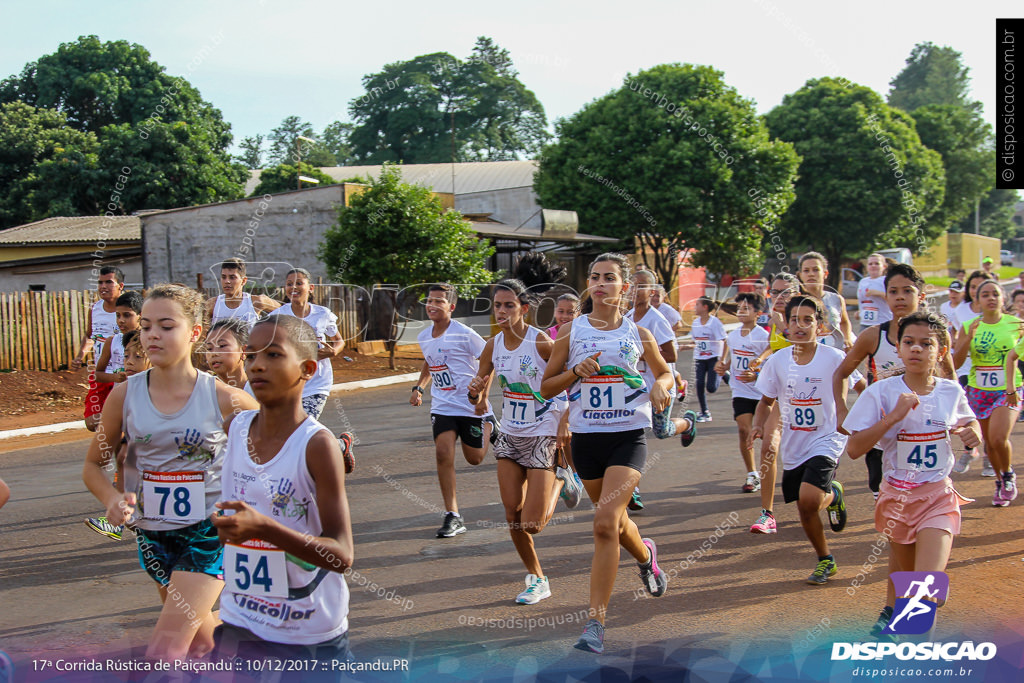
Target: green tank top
989	347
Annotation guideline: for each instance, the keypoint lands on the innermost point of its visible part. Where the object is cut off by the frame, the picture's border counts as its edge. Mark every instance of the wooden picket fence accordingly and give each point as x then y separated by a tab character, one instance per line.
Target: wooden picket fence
42	330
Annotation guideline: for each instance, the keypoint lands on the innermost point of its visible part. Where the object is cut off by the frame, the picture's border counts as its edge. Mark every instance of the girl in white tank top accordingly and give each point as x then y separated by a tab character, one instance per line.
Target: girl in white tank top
172	415
532	427
596	360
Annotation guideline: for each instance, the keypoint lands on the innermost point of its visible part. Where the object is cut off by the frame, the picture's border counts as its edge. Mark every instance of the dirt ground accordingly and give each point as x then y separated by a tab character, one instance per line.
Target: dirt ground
29	398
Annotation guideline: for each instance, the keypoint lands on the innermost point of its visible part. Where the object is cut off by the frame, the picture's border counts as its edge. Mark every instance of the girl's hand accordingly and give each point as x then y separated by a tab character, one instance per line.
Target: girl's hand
659	398
240	527
969	435
1012	399
564	435
720	368
756	432
476	385
588	367
121	510
904	405
974	326
416	398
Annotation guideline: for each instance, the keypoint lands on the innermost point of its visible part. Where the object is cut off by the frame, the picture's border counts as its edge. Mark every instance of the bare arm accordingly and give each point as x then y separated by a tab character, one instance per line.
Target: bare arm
103	362
664	382
331	348
86	345
557	377
102	451
424	379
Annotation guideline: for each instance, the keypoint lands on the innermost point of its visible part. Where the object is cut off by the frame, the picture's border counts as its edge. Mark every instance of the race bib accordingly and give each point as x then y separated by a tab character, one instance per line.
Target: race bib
807	414
868	314
256	568
603	392
741	363
703	347
441	375
518	407
174	496
989	376
922	451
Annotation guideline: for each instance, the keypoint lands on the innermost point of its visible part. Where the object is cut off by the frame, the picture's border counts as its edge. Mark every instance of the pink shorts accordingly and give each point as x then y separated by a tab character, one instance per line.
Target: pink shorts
901	514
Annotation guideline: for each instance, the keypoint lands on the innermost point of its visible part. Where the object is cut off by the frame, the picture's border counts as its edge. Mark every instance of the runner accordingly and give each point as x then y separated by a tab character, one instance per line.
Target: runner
955	296
235	302
173	416
813	274
101	323
284	518
110	360
872	306
566	309
297	289
708	336
989	339
659	303
600	353
811	445
450	351
911	417
741	347
225	352
533	429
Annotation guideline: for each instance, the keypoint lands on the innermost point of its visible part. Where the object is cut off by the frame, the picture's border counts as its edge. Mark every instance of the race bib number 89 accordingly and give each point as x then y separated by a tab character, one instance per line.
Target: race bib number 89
806	414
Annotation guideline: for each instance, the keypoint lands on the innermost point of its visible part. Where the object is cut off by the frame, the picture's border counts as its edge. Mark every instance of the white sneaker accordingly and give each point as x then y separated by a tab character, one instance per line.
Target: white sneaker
753	483
988	470
963	463
537	589
572	488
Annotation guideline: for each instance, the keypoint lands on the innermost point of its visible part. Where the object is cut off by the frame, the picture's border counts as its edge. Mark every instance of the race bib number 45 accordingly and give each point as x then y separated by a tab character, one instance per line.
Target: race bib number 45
174	496
922	451
256	568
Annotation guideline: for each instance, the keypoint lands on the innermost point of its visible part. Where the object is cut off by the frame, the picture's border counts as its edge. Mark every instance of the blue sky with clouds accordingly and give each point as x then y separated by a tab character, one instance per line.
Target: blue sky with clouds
266	60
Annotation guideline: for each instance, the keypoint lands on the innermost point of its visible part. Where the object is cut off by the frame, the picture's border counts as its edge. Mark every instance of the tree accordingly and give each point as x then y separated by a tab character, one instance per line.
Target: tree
961	137
335	141
252	152
996	212
933	75
46	167
436	108
677	158
285	177
399	234
140	114
866	181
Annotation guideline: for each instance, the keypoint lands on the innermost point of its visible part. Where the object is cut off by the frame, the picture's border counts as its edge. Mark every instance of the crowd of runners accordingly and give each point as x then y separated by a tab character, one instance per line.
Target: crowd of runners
208	447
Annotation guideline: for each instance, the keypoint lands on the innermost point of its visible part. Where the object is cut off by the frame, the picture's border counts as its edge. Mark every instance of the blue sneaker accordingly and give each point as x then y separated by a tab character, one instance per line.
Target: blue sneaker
572	488
592	639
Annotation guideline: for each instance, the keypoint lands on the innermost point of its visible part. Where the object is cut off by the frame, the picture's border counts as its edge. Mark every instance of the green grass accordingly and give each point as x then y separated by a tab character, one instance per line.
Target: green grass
1004	273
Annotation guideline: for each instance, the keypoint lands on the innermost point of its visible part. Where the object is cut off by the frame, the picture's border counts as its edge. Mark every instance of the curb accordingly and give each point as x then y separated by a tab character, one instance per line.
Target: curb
79	424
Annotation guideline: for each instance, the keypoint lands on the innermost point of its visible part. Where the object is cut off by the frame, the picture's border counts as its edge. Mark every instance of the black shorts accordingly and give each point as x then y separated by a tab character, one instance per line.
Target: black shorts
232	643
595	452
742	406
818	471
469	429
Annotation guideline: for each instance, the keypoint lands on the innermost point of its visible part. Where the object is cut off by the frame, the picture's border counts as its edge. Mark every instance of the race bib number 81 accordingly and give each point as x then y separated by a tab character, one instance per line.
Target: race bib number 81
603	392
174	496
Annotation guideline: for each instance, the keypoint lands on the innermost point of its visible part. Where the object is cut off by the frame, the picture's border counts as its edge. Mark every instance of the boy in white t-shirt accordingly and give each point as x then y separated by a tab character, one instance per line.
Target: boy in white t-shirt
451	353
871	301
801	376
742	346
708	336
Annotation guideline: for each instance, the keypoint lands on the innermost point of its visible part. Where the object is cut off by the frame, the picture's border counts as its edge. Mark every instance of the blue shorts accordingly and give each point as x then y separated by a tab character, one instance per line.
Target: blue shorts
194	548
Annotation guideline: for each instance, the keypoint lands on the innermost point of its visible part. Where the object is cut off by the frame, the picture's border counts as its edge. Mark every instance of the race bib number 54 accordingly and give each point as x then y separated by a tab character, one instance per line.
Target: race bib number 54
256	568
174	496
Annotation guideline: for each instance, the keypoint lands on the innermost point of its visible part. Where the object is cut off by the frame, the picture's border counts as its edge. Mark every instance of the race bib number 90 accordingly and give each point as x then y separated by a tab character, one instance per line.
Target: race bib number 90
441	375
922	451
256	568
174	496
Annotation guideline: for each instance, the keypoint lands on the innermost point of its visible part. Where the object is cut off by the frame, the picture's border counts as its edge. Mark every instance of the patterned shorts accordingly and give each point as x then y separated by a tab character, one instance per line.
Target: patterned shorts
984	401
532	452
314	405
194	548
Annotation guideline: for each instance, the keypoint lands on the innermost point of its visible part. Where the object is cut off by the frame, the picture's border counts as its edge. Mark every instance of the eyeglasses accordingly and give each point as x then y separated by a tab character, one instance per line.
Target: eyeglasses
780	292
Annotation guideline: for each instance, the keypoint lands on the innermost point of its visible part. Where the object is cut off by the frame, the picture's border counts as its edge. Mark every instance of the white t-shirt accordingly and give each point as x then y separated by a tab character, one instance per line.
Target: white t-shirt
744	348
453	359
946	311
918	450
321	319
807	403
872	309
655	323
834	306
963	314
707	338
671	314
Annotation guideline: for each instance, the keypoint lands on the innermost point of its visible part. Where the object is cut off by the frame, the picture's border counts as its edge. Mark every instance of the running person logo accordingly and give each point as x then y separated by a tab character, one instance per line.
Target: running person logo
918	595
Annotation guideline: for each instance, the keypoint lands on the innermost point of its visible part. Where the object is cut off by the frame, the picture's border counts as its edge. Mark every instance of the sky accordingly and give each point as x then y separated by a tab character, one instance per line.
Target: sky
261	61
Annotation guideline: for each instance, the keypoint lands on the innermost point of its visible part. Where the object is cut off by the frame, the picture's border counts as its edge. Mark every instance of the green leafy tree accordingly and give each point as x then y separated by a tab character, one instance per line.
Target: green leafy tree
285	177
252	152
399	234
46	167
932	75
335	140
141	115
678	159
962	138
996	211
866	181
436	108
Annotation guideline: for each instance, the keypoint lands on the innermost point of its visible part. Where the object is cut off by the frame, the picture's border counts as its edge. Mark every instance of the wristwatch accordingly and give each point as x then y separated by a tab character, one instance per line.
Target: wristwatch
418	388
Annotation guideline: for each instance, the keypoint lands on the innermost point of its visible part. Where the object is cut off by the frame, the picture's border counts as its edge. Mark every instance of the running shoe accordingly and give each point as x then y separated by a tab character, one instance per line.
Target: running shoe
765	524
104	528
753	484
963	463
572	488
837	510
1009	486
704	416
452	526
592	639
878	630
988	470
653	578
537	589
681	387
726	377
997	498
690	434
345	439
495	428
634	502
825	569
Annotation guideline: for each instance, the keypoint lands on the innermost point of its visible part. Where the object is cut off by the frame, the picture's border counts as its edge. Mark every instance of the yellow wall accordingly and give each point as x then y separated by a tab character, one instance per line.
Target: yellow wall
935	261
966	250
8	253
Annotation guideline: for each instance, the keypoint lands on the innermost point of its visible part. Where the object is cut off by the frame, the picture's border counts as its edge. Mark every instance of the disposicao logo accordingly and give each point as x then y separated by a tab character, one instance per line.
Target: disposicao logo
918	595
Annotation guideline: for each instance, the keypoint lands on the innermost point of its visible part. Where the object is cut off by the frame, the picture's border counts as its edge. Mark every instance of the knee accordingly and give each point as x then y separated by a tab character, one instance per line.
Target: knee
533	526
475	456
512	518
606	528
808	506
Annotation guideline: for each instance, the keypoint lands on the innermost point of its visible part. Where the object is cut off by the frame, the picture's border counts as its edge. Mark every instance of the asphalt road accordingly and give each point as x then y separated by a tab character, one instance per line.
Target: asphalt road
737	602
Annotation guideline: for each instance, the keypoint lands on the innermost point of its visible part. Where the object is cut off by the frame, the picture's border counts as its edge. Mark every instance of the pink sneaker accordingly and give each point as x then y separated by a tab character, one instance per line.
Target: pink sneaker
998	499
765	524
